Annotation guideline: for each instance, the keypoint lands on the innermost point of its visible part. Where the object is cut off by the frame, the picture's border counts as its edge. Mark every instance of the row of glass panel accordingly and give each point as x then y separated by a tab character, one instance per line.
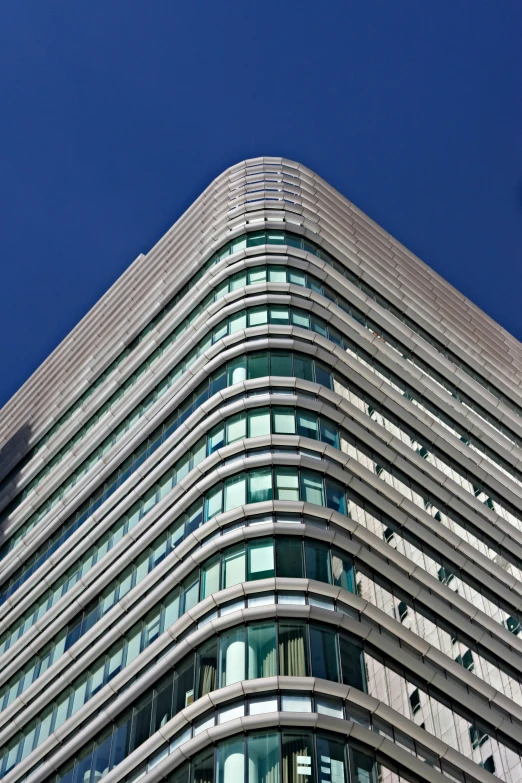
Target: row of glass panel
275	274
295	648
238	321
258	422
254	365
292	756
256	560
253	240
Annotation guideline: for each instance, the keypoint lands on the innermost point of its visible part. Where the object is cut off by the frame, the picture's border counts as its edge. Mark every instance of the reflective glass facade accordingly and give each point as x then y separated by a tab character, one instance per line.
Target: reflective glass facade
265	523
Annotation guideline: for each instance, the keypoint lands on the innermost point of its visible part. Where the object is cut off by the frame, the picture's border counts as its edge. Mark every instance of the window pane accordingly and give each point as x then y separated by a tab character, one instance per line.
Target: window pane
301	318
332	762
261	651
277	274
258	422
256	238
206	668
257	275
238	244
261	559
284	421
307	424
330	433
335	497
237	322
274	237
323	375
263	758
141	723
230	761
351	663
236	427
236	370
257	316
292	240
281	363
214	502
184	686
363	768
312	487
238	281
232	658
296	277
203	767
286	483
210	577
235	492
292	649
289	557
279	314
298	763
318	325
323	649
342	569
220	331
317	560
258	365
234	566
259	485
303	368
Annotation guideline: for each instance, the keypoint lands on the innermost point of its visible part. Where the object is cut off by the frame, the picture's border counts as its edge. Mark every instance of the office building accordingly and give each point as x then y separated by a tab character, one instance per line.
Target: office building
261	514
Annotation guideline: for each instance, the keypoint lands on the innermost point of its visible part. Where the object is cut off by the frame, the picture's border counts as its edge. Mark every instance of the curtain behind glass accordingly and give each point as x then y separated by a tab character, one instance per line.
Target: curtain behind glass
298	766
262	651
292	657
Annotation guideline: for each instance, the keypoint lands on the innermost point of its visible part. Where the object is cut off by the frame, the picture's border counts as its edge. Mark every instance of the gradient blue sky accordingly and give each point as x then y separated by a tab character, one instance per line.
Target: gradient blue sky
117	113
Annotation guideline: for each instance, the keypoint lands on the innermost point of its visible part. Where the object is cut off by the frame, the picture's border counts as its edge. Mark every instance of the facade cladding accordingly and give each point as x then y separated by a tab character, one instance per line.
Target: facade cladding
261	514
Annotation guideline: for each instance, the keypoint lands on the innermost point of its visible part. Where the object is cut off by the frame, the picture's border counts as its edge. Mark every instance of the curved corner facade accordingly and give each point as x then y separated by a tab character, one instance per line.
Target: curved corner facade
261	514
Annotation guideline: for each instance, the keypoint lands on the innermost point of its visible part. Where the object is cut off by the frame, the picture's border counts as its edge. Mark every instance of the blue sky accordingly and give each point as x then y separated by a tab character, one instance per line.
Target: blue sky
116	115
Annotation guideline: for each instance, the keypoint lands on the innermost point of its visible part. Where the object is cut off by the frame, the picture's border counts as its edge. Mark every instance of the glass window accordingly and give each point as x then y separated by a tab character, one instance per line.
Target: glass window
330	433
210	577
307	424
256	238
312	487
276	274
259	485
261	559
323	650
292	240
163	711
351	663
141	723
257	316
297	757
292	648
363	768
342	570
238	281
335	496
262	661
296	277
237	322
258	365
286	483
263	758
230	761
238	244
323	375
190	589
184	686
303	368
289	557
203	767
275	237
220	331
206	668
235	492
236	370
234	566
214	502
281	363
301	318
232	657
258	422
279	315
317	560
331	752
236	427
284	421
257	275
